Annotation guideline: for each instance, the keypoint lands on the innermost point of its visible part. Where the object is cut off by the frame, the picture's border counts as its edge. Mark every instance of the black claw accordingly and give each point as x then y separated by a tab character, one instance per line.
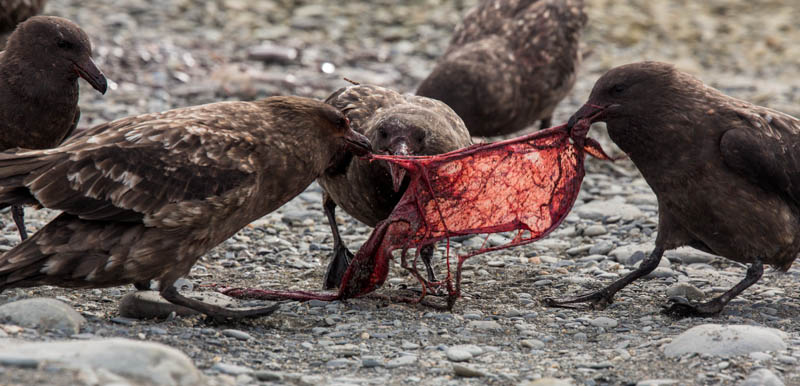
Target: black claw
337	267
680	307
18	214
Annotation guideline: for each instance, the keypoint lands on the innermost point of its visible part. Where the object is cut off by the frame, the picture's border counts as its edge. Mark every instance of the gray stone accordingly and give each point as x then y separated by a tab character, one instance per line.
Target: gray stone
760	356
43	314
594	230
401	361
371	361
661	272
142	362
229	369
601	248
241	335
549	382
484	325
626	254
467	372
600	209
604	322
268	376
474	350
762	377
689	255
685	290
657	382
535	344
455	354
726	340
339	362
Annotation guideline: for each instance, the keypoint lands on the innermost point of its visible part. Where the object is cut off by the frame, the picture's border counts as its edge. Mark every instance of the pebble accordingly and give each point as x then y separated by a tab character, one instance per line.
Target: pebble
484	325
455	354
760	356
267	376
230	369
44	314
371	361
467	371
145	361
401	361
658	382
762	377
685	290
689	255
726	340
594	230
532	343
549	382
601	248
599	209
604	322
241	335
632	253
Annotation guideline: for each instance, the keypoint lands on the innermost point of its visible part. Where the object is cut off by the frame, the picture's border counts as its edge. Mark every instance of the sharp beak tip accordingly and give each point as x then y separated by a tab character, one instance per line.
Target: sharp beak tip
398	174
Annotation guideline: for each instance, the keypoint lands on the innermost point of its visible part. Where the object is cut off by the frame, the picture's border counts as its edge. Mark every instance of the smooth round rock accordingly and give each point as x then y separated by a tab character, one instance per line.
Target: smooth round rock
604	322
726	340
43	314
467	372
685	290
762	377
141	362
458	355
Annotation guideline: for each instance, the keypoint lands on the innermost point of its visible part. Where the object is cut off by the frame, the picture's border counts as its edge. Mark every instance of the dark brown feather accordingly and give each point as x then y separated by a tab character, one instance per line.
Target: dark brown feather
509	63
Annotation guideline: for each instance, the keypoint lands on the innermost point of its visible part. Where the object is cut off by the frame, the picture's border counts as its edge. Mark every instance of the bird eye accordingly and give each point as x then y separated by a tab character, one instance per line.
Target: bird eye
382	133
65	44
618	89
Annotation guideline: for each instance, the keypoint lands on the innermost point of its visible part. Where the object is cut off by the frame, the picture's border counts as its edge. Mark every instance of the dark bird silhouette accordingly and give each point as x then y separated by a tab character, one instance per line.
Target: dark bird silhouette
395	124
144	197
726	172
13	12
509	64
39	73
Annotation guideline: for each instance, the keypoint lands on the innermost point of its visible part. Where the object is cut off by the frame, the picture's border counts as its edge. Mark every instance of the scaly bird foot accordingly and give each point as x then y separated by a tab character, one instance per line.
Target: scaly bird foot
681	308
597	300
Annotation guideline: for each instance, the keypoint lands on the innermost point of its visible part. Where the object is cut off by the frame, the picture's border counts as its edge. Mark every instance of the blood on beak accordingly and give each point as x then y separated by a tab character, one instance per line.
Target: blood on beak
579	123
89	71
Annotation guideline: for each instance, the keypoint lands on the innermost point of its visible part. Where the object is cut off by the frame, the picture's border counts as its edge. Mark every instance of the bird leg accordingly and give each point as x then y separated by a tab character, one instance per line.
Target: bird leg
602	298
142	285
341	255
170	293
18	213
545	123
426	253
682	308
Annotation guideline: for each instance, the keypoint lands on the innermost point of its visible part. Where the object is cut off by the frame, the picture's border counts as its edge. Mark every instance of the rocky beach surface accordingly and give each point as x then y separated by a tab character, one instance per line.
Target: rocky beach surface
159	55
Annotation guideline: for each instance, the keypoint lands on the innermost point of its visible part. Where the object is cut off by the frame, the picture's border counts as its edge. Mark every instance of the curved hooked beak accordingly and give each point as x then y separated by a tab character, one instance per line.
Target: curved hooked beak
357	143
396	171
89	71
579	123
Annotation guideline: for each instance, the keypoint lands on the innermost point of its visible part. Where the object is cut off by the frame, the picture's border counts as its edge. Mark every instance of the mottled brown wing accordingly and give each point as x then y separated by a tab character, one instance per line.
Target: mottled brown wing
766	150
165	170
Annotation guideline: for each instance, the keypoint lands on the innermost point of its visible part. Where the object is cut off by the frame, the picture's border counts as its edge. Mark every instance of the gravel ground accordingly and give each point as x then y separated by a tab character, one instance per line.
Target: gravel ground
172	53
